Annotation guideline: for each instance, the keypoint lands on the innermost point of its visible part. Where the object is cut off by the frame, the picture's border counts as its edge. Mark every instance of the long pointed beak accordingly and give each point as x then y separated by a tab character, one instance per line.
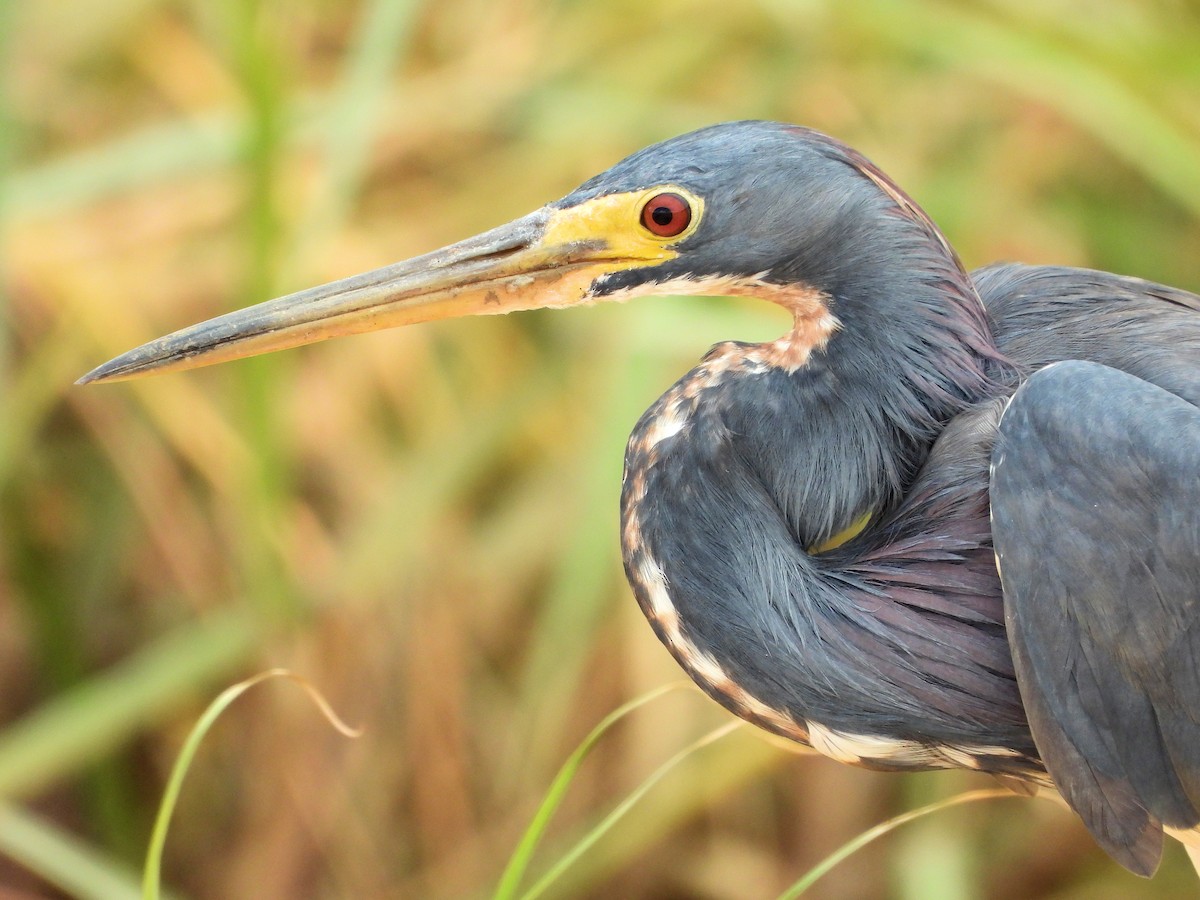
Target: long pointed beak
532	262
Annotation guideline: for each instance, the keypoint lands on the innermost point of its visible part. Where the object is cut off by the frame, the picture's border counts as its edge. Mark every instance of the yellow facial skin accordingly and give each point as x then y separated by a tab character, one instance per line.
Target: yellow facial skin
549	258
617	217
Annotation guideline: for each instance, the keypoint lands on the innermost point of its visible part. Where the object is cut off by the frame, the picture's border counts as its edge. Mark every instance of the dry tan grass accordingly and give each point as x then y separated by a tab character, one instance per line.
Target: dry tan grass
423	523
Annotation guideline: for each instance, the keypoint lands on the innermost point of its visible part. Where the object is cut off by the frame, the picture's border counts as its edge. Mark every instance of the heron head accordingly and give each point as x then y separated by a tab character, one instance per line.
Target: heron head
743	208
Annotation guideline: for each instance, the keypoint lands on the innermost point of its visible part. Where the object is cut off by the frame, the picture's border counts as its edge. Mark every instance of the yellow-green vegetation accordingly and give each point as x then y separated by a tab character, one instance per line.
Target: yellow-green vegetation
423	523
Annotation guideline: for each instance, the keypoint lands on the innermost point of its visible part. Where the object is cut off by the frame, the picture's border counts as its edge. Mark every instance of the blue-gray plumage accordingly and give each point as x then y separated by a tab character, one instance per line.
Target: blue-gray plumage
807	523
1095	500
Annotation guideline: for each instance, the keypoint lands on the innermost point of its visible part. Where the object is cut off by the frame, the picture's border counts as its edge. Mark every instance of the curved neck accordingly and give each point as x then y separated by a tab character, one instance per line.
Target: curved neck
743	465
890	341
722	477
845	431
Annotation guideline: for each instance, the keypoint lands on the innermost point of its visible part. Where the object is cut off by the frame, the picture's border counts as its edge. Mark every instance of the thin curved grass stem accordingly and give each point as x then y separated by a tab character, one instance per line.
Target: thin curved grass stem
585	843
518	863
853	846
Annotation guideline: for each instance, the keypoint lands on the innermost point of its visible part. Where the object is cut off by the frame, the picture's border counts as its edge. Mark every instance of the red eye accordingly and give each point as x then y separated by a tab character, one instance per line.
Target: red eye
666	215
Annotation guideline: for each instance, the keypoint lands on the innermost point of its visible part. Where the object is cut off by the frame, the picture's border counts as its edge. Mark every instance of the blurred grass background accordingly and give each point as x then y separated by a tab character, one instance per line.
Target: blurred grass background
423	522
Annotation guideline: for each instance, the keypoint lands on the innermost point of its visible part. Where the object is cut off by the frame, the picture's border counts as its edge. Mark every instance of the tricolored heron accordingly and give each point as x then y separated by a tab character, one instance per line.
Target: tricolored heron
947	520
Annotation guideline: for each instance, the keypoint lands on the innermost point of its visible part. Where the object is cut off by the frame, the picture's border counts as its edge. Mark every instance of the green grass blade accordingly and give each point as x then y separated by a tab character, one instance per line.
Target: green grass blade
151	875
519	861
63	860
8	143
1053	72
588	840
88	721
146	156
580	590
851	847
728	773
358	107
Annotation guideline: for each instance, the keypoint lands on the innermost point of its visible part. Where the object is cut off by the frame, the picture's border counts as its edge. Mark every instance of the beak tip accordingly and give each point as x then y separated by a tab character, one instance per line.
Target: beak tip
113	370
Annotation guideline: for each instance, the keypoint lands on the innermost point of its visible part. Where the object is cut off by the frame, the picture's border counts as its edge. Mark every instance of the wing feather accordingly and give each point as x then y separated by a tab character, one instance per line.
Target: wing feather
1096	520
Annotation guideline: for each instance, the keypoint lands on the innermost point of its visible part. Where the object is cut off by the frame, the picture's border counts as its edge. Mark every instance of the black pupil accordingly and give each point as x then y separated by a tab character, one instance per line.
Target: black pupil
662	215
